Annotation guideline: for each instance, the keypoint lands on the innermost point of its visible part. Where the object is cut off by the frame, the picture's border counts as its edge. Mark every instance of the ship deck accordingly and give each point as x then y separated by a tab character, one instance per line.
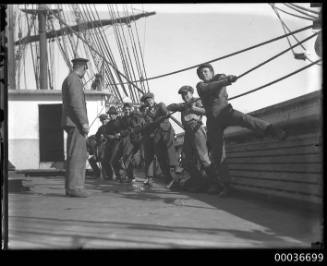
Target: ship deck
127	216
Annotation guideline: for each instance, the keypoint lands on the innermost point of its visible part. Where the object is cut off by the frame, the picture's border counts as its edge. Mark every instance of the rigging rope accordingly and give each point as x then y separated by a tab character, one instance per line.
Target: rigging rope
285	26
277	55
305	9
275	81
107	69
301	12
294	15
105	60
229	55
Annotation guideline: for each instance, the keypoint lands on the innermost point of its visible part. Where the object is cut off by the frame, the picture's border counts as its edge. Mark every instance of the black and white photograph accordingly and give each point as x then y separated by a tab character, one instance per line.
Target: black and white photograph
163	126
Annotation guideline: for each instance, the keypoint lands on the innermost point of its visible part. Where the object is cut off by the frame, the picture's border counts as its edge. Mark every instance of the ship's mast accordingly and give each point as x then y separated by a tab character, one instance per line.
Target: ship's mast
42	16
42	12
11	48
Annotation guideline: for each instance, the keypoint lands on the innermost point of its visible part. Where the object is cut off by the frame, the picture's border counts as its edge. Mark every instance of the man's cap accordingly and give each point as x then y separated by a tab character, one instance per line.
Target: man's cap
103	117
206	65
146	96
112	110
142	108
79	60
130	105
184	89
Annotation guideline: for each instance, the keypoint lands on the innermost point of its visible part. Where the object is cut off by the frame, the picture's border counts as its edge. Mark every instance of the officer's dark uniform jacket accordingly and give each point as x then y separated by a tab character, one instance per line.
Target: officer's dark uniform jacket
74	106
214	96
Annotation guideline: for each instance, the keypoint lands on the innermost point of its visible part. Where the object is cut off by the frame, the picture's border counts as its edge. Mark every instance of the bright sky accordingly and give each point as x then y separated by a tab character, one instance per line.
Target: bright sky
181	35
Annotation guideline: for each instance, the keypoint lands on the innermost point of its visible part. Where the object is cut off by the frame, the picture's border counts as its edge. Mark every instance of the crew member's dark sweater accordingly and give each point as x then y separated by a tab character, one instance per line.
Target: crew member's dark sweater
213	95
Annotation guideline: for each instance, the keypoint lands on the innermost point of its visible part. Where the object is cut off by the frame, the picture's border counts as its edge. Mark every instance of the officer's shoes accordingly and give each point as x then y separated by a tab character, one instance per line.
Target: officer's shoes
77	193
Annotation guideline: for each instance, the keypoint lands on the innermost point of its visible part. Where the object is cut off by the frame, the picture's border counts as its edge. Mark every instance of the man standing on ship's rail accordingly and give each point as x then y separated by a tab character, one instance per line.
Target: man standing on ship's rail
220	115
75	123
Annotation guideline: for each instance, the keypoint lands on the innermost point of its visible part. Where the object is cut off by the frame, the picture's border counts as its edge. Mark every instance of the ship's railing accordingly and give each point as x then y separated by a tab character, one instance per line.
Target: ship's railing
290	169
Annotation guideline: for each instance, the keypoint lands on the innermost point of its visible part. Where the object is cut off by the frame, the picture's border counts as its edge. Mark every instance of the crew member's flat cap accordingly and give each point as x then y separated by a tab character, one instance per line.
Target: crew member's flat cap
112	110
79	60
184	89
103	117
146	96
130	105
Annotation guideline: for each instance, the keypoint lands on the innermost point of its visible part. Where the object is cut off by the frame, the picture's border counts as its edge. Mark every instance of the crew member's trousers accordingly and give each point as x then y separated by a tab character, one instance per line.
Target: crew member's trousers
230	117
108	160
195	148
76	160
162	145
125	153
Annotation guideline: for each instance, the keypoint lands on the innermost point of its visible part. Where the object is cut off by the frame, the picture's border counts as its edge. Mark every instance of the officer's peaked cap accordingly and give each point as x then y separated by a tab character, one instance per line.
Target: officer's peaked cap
79	60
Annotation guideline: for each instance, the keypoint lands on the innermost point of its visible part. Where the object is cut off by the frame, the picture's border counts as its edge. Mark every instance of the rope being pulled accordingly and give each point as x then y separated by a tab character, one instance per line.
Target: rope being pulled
277	80
263	86
277	55
226	56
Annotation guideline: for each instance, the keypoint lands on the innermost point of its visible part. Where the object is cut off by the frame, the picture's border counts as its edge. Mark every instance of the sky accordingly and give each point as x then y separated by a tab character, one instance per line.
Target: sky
181	35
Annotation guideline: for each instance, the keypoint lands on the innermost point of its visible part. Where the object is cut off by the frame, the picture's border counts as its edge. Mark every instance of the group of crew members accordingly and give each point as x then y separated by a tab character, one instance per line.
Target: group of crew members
148	129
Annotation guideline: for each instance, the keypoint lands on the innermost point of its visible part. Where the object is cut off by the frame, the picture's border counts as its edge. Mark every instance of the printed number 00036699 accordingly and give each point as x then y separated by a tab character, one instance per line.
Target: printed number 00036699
299	257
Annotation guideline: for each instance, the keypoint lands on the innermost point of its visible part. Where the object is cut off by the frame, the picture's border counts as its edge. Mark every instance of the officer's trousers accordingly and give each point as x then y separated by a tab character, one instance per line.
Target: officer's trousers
76	160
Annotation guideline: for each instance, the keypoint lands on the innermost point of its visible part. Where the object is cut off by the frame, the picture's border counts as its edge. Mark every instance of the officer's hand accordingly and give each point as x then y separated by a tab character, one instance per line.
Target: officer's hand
86	129
232	78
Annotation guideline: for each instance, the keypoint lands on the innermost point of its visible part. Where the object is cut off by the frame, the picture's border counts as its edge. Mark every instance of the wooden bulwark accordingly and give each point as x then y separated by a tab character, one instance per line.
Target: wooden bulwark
289	169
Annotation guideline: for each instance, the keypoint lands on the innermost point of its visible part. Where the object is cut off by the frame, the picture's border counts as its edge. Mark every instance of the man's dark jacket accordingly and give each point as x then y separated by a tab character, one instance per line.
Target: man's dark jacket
74	113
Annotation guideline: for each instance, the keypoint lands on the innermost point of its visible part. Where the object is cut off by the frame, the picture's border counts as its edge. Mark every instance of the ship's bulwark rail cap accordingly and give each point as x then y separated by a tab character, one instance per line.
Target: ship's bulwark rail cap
36	93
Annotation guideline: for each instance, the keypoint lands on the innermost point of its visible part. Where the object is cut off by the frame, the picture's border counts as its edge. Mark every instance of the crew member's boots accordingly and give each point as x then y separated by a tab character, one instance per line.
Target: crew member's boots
214	184
93	163
223	175
276	132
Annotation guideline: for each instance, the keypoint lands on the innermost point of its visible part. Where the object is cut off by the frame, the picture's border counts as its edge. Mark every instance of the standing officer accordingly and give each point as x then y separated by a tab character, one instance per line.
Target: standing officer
195	148
112	134
75	123
220	114
159	140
